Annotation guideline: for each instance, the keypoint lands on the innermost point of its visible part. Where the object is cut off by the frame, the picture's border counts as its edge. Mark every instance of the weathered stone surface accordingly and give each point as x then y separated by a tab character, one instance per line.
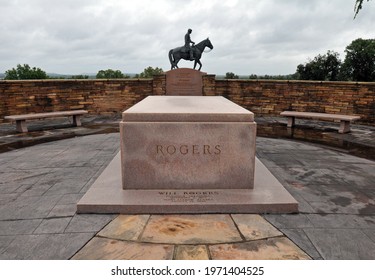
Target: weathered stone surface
289	221
299	237
56	225
107	196
191	252
45	246
109	249
125	227
370	233
63	210
342	244
5	241
175	142
342	221
88	223
184	81
28	207
254	227
279	248
314	233
18	227
190	229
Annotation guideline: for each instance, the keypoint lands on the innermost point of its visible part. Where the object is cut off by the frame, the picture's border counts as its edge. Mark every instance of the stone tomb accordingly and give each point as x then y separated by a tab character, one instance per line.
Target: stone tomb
182	154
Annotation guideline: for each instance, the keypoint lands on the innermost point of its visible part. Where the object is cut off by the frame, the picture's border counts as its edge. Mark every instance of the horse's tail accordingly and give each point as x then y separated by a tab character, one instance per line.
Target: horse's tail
170	55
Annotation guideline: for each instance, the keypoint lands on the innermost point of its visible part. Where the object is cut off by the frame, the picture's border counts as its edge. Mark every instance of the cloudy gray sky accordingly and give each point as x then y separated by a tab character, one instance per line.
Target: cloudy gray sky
249	36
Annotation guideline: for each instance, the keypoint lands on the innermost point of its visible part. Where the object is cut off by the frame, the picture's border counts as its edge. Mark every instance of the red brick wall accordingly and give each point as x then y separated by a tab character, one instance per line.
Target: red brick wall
267	97
263	97
96	96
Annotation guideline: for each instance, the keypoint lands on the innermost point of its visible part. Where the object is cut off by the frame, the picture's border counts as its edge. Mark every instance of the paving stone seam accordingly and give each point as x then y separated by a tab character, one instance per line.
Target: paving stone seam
312	244
27	177
143	230
237	228
208	251
174	255
79	249
83	245
181	244
14	220
95	232
306	252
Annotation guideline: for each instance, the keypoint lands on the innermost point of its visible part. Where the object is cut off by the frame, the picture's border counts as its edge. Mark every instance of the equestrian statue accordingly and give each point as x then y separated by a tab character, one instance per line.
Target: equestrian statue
191	52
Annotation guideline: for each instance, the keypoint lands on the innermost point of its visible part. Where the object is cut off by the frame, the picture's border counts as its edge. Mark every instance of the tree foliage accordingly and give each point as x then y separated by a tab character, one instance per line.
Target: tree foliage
274	77
358	7
323	68
149	72
231	75
25	72
110	74
359	63
80	77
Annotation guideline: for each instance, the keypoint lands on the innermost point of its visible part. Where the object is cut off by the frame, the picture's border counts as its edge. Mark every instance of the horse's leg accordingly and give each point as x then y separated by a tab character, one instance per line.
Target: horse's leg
176	61
200	65
195	64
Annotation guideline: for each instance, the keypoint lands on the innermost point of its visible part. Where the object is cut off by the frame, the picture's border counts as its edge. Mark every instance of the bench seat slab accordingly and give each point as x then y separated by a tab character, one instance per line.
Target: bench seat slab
21	119
344	119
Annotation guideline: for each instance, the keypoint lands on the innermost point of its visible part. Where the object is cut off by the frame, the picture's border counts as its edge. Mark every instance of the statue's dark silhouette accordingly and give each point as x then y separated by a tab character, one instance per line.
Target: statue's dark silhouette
188	52
187	44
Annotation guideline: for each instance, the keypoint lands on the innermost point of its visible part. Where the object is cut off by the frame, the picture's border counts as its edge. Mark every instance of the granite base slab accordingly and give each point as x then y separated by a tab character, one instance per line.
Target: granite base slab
106	195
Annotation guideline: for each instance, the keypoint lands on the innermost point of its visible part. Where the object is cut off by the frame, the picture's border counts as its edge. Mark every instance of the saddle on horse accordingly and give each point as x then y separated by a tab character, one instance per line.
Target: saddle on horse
189	51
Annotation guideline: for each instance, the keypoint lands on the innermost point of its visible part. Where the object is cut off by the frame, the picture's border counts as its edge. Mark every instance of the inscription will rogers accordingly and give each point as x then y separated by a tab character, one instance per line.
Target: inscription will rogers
188	196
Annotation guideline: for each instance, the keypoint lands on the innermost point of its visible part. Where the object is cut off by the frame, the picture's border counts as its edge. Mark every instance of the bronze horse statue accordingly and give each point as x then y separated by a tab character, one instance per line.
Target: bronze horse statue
176	54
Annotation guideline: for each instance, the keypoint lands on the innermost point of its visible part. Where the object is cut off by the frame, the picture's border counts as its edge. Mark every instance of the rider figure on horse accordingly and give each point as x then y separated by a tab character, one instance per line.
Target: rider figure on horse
187	44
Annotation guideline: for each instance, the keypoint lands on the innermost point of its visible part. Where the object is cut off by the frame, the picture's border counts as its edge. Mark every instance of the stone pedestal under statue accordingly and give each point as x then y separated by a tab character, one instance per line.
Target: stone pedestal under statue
184	82
184	154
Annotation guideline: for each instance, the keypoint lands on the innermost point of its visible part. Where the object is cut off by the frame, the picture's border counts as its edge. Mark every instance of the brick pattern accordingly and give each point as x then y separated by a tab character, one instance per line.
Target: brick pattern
270	98
263	97
96	96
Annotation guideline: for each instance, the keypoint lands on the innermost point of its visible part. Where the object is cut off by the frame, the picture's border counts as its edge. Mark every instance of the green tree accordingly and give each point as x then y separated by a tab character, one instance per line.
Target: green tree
149	72
25	72
110	74
323	68
79	77
231	75
359	63
358	7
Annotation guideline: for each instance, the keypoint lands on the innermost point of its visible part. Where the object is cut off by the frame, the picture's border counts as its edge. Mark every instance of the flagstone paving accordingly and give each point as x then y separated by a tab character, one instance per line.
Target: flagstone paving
40	186
193	237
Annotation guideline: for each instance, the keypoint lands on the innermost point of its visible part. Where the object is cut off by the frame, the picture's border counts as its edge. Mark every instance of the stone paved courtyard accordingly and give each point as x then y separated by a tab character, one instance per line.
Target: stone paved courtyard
40	186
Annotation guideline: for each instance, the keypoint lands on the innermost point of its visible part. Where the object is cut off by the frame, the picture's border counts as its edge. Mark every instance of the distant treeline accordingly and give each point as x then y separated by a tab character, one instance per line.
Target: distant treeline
231	75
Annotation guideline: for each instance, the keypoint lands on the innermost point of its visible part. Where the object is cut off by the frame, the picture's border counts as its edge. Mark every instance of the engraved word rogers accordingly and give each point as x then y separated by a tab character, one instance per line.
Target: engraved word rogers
166	150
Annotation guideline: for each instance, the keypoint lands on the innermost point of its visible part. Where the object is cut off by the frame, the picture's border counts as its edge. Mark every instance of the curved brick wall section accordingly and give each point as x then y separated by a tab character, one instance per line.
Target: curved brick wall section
96	96
263	97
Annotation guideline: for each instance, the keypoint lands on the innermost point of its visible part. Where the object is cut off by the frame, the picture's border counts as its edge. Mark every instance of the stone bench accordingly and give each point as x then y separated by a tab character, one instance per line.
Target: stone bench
344	119
21	119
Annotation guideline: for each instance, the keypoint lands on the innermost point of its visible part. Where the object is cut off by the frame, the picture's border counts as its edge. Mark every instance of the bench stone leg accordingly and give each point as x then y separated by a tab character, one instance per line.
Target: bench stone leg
21	126
291	121
344	127
77	120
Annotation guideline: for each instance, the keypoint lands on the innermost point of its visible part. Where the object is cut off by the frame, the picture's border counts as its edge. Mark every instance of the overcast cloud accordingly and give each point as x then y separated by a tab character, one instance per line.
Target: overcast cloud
249	37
